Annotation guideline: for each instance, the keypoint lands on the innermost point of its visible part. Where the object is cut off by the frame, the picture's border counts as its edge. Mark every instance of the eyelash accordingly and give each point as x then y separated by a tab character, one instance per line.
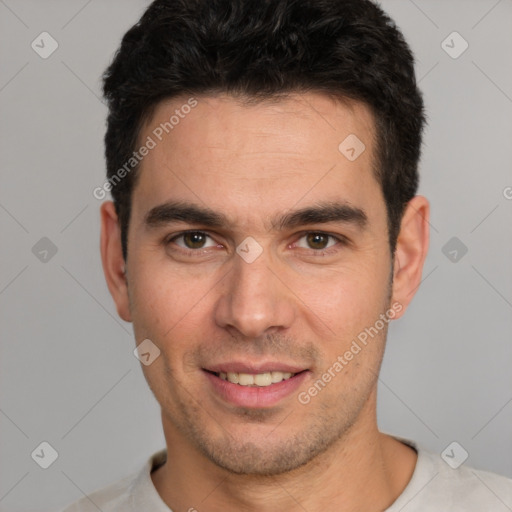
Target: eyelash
342	241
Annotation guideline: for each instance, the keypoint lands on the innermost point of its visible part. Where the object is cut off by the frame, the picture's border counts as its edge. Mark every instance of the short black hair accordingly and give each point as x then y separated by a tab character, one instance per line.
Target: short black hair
263	49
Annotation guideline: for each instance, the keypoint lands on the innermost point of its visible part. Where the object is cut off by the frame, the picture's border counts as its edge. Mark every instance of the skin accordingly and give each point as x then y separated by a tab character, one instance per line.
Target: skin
292	304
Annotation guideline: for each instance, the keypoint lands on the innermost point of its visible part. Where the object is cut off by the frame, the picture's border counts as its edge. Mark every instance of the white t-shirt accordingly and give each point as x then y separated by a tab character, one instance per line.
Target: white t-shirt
434	487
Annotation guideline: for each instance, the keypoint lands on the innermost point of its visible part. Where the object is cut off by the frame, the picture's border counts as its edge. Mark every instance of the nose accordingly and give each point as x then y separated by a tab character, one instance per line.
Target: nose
254	300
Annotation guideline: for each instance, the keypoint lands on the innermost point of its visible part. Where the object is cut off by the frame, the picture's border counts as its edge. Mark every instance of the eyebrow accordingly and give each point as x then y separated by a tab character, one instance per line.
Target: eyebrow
320	213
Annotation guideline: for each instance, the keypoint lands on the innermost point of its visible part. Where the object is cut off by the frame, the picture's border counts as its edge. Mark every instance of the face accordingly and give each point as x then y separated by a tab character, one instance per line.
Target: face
257	248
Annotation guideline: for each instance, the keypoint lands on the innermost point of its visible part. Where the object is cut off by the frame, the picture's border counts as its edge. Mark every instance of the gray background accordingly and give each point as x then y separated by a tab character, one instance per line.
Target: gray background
68	375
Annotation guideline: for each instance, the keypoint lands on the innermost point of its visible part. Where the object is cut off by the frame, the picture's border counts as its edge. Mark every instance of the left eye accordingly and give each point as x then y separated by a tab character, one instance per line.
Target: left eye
317	241
193	240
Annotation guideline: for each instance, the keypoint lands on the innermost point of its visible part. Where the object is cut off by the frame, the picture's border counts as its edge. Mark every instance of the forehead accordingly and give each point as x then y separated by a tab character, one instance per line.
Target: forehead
257	157
247	125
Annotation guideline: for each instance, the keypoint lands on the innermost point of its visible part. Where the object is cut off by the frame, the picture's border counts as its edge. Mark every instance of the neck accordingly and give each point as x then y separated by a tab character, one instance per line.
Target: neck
364	470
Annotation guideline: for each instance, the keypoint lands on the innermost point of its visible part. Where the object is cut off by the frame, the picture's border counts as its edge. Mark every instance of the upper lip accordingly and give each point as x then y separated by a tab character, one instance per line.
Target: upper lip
254	368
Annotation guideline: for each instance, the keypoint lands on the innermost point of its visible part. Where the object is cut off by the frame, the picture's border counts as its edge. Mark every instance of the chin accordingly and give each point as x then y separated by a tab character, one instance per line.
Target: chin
263	458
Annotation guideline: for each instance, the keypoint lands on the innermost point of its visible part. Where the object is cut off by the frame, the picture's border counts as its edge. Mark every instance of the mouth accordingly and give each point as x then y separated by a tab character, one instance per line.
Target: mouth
255	380
254	387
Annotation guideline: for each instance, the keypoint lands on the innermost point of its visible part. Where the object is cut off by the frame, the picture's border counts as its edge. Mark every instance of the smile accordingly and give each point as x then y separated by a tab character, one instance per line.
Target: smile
254	388
259	379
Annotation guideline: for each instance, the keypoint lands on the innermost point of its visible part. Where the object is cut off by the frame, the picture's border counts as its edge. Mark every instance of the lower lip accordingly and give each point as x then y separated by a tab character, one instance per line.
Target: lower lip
255	397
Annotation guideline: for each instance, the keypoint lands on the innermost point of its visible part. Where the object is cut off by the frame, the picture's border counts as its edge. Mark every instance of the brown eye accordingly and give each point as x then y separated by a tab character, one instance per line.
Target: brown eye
317	240
194	240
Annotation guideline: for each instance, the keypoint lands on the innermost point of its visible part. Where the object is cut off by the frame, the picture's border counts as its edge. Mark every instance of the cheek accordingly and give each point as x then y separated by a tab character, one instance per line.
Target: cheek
166	305
347	298
349	307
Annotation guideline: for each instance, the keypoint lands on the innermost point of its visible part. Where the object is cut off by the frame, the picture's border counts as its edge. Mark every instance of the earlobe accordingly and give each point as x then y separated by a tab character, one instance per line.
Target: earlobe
112	259
411	251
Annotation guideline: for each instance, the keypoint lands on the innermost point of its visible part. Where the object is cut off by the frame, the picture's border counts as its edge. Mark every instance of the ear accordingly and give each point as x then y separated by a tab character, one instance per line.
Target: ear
411	251
113	261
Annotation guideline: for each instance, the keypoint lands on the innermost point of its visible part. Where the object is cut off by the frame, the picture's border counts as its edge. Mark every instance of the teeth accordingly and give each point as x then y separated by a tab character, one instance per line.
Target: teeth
245	379
233	377
263	379
277	377
260	379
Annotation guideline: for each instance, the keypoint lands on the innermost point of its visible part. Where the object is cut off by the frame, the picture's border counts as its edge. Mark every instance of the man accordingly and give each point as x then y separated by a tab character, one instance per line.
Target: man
262	157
